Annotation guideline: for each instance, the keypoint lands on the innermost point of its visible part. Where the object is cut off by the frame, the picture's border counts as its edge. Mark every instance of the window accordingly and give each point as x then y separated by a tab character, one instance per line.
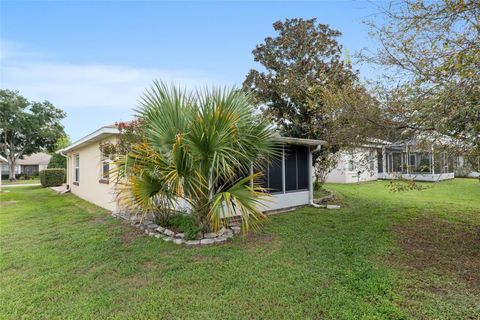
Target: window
371	161
412	161
77	168
105	169
351	165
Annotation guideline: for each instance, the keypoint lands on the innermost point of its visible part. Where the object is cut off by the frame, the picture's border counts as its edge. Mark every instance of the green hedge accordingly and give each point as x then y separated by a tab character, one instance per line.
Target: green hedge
57	161
52	177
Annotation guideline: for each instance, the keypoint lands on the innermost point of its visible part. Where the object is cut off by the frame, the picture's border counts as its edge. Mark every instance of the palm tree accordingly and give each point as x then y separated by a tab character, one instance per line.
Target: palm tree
198	149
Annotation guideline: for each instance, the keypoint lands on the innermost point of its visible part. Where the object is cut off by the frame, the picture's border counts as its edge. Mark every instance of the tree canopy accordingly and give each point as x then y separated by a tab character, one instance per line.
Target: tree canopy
431	54
308	90
27	127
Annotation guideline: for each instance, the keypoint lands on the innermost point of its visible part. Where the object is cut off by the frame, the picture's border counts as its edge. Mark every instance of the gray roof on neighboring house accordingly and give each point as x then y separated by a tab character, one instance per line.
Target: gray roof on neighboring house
34	159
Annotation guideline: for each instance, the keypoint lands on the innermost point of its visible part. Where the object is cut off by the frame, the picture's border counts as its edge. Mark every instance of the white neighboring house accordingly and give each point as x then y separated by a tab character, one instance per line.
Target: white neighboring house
406	159
2	162
30	165
289	177
355	165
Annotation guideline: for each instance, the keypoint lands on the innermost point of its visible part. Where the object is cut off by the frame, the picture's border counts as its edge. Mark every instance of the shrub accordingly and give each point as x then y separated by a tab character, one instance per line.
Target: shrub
57	161
184	223
52	177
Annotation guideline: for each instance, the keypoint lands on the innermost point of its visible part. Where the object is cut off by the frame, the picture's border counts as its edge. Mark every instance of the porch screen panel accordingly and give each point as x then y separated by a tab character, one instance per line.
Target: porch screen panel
302	167
275	181
263	180
291	168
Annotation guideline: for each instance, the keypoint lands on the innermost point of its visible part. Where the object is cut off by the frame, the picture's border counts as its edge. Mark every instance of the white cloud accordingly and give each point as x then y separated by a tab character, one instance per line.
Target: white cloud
69	85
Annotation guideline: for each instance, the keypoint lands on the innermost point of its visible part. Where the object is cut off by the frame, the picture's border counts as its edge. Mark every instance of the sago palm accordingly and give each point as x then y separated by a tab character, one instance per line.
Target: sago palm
198	149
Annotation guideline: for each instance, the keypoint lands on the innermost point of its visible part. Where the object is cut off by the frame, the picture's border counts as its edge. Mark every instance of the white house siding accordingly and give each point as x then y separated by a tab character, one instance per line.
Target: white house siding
89	187
473	174
5	170
427	177
286	200
360	156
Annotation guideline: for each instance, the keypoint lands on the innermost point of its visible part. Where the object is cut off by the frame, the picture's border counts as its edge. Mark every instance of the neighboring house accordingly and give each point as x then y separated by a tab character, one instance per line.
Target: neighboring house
462	167
289	177
5	170
384	160
30	165
356	165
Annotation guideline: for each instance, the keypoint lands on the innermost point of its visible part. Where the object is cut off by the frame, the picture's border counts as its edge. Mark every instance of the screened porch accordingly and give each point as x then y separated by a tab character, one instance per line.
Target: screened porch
410	162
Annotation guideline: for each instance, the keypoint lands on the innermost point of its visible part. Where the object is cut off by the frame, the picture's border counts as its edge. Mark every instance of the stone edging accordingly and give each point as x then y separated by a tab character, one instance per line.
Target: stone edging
159	232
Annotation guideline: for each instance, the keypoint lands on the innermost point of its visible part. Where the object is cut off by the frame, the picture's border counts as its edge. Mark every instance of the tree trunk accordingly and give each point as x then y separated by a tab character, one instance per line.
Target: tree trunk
11	169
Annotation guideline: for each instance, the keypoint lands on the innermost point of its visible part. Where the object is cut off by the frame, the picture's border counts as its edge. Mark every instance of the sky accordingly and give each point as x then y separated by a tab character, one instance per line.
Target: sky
95	59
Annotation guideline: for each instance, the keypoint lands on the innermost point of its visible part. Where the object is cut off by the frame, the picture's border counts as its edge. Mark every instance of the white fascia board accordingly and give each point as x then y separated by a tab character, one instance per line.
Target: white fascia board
109	130
300	141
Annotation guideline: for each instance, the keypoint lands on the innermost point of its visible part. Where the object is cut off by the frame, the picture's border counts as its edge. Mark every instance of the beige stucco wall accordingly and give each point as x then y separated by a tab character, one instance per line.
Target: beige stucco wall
89	187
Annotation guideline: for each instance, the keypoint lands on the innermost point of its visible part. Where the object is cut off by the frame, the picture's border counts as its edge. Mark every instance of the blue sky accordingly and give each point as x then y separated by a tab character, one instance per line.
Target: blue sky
94	59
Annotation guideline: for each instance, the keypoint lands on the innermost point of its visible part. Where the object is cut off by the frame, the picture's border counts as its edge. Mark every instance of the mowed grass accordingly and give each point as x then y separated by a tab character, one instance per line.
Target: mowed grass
7	182
382	256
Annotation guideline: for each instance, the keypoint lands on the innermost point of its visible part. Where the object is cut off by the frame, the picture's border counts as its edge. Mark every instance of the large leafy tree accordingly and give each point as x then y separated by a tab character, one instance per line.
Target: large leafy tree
196	149
431	54
309	90
27	127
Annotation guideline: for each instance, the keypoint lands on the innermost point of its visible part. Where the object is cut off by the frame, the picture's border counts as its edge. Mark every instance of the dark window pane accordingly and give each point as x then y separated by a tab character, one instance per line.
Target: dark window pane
275	175
290	168
302	167
106	170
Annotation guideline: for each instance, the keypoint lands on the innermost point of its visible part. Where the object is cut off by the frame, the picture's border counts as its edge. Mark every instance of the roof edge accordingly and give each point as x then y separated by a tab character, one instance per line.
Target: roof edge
112	130
301	141
108	130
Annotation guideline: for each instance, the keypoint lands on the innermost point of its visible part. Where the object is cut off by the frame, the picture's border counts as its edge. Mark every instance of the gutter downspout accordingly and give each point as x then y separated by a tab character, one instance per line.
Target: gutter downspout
310	175
60	152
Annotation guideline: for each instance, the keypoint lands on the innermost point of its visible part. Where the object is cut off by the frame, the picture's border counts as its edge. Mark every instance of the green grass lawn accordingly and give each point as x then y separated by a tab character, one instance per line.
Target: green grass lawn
32	181
382	256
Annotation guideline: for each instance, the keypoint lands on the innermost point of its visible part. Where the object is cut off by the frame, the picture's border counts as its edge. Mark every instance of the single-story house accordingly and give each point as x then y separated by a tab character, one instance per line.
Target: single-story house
289	178
355	165
30	165
410	159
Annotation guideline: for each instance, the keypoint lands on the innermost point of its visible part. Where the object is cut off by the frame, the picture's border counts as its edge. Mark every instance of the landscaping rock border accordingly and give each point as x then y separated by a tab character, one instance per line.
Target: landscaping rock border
322	202
159	232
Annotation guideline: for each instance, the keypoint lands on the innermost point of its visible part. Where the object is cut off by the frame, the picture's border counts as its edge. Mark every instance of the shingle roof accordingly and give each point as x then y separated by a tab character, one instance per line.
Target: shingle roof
36	158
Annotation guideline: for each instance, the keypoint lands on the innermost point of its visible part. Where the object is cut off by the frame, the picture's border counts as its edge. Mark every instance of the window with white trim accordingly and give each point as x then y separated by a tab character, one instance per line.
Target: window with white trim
77	168
106	169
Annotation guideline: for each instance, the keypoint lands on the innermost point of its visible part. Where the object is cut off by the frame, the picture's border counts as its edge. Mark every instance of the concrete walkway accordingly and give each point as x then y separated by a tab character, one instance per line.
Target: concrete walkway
21	185
60	189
